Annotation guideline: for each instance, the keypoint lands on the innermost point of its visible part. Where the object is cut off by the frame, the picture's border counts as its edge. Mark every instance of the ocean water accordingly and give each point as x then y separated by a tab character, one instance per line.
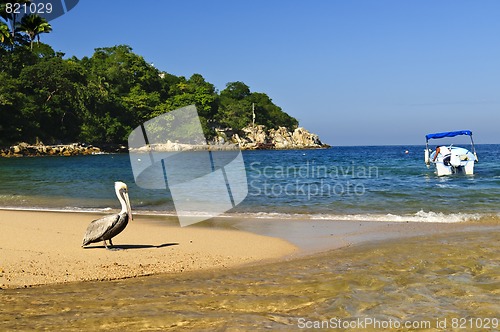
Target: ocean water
348	183
445	282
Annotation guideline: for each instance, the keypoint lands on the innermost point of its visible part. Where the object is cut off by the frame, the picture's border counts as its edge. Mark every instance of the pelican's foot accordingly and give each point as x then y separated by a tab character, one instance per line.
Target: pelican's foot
111	247
114	249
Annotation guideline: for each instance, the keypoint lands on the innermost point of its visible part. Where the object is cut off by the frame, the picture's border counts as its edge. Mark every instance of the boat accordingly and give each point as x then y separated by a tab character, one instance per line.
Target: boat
450	159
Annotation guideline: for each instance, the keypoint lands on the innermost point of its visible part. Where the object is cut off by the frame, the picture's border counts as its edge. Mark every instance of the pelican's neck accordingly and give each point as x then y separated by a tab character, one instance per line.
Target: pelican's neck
122	201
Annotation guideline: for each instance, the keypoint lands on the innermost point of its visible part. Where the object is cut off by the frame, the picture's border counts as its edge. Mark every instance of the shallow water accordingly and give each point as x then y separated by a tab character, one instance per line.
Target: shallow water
424	281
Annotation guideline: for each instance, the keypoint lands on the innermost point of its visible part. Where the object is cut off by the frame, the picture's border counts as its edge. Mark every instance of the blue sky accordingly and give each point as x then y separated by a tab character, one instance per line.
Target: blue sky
355	72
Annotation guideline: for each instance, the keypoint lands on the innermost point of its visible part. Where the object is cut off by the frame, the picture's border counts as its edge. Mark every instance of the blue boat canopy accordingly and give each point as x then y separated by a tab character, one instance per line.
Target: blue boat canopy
448	134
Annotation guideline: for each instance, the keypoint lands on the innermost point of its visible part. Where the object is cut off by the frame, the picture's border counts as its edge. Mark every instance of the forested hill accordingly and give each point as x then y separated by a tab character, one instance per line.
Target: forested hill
100	99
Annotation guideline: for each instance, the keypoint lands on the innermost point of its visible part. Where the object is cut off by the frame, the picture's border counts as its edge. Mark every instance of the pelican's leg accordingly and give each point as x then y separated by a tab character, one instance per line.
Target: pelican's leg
105	244
111	246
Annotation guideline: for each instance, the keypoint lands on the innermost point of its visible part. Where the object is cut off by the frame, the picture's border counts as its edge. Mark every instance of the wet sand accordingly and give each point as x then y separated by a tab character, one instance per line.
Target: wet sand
425	280
242	280
45	247
317	236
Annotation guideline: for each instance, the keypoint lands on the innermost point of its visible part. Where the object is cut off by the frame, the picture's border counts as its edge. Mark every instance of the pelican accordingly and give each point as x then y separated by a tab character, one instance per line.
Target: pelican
108	227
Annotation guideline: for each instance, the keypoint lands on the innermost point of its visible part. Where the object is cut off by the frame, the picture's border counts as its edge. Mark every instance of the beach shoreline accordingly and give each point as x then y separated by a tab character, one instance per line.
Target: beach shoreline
43	247
40	247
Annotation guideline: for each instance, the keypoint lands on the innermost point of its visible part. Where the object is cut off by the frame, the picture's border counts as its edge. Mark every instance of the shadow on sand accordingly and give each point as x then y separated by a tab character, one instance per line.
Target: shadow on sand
134	246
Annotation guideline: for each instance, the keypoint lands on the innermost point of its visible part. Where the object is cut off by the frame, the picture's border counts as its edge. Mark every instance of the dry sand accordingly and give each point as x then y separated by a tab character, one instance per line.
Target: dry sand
45	247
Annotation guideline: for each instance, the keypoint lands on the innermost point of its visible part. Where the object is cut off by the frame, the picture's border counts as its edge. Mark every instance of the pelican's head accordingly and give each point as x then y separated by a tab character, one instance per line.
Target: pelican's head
121	190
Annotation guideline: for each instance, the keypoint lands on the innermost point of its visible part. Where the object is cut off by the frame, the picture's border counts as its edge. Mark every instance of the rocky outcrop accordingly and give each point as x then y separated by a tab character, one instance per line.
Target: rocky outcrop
258	138
252	138
25	149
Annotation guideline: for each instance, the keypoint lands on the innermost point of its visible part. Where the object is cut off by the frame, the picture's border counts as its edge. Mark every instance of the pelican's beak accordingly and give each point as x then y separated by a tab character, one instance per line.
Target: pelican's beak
127	202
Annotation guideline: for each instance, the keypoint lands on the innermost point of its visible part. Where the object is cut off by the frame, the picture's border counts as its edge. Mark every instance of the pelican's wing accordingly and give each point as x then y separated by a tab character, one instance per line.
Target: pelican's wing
99	227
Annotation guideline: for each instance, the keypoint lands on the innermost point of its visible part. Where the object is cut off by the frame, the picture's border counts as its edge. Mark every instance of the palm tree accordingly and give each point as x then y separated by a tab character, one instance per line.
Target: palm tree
11	17
33	26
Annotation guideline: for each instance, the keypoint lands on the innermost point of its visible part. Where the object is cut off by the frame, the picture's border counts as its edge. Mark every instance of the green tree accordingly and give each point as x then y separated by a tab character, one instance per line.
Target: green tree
237	102
236	90
14	61
123	69
235	109
55	90
33	26
15	105
269	114
100	99
12	102
195	91
123	91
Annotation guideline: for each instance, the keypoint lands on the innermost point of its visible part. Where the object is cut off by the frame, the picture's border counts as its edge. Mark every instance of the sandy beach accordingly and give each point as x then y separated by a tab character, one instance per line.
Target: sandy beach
45	247
39	247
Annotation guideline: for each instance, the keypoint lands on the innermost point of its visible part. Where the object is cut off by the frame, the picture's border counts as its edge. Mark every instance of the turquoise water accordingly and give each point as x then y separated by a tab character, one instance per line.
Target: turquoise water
359	183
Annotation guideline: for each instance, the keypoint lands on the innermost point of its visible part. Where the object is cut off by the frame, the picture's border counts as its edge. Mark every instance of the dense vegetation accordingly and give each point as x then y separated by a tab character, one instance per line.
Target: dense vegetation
100	99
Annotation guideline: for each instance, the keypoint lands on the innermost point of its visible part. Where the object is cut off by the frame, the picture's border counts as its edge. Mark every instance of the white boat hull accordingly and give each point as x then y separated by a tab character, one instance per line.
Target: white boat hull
460	160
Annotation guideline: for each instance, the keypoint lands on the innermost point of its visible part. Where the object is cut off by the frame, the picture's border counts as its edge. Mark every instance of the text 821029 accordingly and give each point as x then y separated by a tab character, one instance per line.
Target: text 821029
28	8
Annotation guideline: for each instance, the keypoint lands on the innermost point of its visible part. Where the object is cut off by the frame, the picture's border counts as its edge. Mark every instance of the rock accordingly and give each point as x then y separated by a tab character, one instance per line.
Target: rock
221	136
74	149
31	151
279	138
16	149
236	139
303	137
256	134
